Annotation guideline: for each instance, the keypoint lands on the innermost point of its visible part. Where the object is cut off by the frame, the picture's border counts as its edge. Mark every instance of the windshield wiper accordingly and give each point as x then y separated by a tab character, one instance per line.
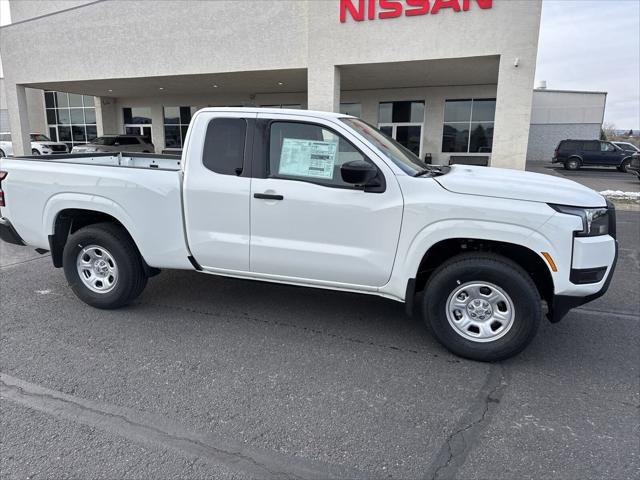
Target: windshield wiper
420	173
433	170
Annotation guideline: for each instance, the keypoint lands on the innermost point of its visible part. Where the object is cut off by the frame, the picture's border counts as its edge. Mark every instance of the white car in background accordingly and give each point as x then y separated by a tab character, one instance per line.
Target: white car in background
40	145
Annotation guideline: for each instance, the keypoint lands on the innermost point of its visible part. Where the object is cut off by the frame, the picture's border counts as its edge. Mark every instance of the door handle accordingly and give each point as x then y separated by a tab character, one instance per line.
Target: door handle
268	196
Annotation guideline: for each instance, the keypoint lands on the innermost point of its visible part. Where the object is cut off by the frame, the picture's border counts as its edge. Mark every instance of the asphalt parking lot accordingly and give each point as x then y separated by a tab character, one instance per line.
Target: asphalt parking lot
206	377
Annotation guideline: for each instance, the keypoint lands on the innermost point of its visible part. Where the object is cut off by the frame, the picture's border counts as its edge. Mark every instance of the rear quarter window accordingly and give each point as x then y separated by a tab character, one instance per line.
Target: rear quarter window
568	146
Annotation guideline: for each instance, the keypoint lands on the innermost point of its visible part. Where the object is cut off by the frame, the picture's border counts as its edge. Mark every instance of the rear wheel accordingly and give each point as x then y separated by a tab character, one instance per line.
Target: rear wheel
103	267
482	306
572	164
2	155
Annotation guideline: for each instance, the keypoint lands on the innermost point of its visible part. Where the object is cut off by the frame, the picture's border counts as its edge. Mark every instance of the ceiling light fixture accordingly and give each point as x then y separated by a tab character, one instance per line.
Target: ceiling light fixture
109	90
161	88
215	85
280	83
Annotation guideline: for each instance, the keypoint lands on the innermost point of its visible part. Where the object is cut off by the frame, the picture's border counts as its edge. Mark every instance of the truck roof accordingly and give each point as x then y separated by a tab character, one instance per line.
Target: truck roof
288	111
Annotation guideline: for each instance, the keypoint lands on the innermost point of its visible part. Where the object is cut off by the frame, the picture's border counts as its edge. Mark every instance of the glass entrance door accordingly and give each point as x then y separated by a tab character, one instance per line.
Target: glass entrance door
137	121
144	130
403	121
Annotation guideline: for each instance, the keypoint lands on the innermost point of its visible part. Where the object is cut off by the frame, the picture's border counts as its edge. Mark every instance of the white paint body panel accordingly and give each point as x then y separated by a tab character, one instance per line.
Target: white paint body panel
317	236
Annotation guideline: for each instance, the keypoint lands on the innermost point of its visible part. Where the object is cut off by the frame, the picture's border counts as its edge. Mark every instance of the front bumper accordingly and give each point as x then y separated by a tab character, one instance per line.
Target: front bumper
561	304
8	233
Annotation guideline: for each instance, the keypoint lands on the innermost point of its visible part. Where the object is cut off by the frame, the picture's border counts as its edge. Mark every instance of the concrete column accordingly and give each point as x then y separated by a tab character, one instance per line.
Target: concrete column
513	112
18	119
106	118
37	114
323	91
433	127
157	127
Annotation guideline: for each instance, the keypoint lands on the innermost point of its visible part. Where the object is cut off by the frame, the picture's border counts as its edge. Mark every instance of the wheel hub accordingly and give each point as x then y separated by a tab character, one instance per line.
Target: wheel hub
480	311
97	269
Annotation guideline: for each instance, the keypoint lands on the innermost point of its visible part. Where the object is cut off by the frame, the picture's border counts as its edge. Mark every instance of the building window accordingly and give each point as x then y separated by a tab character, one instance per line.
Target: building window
176	123
71	118
353	109
403	121
468	125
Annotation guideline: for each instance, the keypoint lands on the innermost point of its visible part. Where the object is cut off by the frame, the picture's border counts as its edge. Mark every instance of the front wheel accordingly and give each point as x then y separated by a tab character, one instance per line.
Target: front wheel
482	306
103	267
35	152
624	166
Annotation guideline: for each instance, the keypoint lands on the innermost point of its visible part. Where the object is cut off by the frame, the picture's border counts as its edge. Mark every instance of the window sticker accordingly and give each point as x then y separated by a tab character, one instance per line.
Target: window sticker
308	158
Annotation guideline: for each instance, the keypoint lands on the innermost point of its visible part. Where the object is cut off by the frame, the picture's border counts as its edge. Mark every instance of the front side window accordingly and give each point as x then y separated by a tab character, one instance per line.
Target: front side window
468	126
308	152
607	147
224	146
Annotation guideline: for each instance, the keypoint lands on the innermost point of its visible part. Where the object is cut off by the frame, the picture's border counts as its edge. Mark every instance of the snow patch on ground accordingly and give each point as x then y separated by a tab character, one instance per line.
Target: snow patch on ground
620	195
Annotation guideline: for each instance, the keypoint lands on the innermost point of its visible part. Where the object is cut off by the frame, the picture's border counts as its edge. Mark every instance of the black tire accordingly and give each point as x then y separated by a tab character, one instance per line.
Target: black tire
35	152
493	269
130	280
624	165
2	155
572	163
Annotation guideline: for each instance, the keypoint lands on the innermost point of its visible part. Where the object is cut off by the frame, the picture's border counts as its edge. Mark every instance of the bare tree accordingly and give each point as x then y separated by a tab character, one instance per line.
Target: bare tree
609	130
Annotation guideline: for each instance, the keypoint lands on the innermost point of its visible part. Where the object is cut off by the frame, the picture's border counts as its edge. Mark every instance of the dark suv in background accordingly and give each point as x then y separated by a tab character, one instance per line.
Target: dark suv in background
585	153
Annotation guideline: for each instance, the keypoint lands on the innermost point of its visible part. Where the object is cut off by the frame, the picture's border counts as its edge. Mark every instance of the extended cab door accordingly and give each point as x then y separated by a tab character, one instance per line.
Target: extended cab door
306	222
217	189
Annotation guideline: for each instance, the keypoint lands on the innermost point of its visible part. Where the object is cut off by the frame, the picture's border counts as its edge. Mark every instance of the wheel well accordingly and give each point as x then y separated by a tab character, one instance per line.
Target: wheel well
71	220
531	262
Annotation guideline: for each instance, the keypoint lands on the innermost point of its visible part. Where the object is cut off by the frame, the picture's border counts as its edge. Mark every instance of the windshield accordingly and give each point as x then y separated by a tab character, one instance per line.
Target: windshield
401	156
104	141
38	137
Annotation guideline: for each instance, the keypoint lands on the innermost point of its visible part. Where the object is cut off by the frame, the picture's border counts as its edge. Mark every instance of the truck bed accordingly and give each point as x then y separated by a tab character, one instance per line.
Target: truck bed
142	191
129	160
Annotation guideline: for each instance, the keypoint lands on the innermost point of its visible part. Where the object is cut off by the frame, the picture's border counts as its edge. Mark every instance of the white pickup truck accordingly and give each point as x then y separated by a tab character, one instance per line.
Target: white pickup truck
321	200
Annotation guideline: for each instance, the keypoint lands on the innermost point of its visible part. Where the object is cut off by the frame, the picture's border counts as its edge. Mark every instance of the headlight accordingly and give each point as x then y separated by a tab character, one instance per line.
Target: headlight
595	221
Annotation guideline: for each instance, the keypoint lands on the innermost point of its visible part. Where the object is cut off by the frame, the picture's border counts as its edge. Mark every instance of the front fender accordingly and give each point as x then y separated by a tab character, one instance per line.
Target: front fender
407	267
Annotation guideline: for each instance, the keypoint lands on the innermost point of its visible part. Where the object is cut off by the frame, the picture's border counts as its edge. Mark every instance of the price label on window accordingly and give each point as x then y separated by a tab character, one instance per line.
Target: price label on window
308	158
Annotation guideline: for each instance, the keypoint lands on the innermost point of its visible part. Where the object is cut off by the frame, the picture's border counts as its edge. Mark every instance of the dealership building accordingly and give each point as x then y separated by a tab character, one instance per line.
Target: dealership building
446	78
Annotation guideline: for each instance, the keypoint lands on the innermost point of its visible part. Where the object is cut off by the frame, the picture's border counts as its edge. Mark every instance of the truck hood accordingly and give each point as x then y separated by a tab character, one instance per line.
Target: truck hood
518	185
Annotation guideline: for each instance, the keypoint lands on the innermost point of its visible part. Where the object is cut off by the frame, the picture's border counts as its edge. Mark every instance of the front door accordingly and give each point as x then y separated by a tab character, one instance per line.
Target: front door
306	222
609	155
216	191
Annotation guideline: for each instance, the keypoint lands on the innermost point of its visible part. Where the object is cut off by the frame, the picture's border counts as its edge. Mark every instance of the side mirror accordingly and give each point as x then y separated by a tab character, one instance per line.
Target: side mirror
358	172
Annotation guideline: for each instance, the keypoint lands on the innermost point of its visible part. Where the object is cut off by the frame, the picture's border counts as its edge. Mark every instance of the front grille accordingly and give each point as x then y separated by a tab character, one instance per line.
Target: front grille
58	148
